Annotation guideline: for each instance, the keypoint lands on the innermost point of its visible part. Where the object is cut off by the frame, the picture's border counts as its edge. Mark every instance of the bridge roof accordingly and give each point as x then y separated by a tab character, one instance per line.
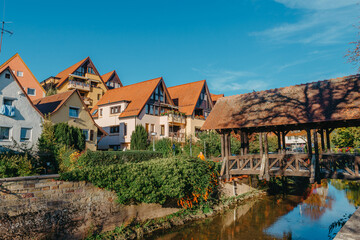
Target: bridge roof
335	101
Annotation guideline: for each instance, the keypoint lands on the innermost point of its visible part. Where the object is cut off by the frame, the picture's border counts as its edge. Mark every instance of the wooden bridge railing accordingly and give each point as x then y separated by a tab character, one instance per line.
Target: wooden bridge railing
291	164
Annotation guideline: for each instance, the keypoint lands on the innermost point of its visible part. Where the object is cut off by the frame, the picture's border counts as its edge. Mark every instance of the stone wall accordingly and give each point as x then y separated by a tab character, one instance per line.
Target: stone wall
45	208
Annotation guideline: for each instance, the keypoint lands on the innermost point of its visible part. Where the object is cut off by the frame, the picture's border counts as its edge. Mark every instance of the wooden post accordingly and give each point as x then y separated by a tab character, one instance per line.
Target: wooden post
222	138
283	140
316	157
323	148
328	147
262	157
309	147
266	150
227	154
246	137
242	146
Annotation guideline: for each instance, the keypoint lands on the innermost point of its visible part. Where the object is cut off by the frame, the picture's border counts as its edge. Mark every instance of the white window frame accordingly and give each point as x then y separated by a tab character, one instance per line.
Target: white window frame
74	108
20	73
10	134
21	140
27	91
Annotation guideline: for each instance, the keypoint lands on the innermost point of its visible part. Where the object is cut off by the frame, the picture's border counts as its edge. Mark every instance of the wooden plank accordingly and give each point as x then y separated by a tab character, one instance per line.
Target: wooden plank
244	172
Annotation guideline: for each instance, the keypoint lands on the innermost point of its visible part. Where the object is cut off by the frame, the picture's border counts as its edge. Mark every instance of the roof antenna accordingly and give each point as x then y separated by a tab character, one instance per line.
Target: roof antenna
3	30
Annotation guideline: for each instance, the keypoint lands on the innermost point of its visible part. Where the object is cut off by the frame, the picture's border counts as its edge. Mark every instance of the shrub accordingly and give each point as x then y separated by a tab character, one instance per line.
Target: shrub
69	136
185	180
165	146
103	158
14	165
139	138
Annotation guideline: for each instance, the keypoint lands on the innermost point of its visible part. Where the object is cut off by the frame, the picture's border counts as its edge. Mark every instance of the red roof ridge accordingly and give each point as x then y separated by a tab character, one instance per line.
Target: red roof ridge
181	85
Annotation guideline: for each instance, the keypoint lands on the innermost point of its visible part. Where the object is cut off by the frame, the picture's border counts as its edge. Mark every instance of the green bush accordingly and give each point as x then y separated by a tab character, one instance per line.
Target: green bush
103	158
14	165
154	181
165	146
139	138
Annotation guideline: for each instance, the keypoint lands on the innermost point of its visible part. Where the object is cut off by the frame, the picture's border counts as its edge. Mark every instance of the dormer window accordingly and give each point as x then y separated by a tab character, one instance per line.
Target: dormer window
7	75
114	110
31	91
20	74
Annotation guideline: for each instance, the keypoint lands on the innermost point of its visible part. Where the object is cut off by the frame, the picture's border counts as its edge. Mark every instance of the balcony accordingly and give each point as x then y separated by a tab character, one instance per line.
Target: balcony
82	86
87	101
176	136
176	118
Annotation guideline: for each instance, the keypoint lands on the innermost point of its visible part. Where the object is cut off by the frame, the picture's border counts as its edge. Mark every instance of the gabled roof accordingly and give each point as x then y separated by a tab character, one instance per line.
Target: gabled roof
187	95
334	100
63	75
51	104
24	81
107	76
22	89
136	94
216	97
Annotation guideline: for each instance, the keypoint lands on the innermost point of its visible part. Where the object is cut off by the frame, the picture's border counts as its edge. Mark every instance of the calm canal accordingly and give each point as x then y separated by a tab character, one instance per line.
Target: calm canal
278	217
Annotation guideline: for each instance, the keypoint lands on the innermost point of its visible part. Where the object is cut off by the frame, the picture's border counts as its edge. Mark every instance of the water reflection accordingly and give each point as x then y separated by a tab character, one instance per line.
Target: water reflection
275	217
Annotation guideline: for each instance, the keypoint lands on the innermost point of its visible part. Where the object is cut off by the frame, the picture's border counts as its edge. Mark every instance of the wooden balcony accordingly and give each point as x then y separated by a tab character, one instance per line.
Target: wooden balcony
82	86
176	118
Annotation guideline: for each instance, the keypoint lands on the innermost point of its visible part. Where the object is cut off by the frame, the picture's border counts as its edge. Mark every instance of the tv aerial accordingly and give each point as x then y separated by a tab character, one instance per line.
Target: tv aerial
3	30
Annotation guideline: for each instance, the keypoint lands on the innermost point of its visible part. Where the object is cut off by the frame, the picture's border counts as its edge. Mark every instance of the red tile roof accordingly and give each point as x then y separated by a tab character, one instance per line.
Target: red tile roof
136	94
330	100
28	80
107	76
51	104
187	95
216	97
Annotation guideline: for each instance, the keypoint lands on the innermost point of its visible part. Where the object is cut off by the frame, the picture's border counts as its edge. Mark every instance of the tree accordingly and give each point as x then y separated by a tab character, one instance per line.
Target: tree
254	143
139	138
353	54
346	137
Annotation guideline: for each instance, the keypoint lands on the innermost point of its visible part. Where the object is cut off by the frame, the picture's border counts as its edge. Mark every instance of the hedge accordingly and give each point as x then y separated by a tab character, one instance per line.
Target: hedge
15	165
186	180
90	158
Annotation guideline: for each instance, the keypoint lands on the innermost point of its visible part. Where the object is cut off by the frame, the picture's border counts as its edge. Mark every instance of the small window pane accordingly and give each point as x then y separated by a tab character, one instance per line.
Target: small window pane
8	102
25	134
86	134
4	133
20	74
31	91
73	112
151	109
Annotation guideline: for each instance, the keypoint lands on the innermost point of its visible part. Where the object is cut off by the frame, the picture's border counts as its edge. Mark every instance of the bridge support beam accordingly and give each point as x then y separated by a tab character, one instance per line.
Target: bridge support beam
266	150
309	148
316	157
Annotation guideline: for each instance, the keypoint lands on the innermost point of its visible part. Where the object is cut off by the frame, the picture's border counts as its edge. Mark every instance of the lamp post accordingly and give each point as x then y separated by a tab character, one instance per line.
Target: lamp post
153	134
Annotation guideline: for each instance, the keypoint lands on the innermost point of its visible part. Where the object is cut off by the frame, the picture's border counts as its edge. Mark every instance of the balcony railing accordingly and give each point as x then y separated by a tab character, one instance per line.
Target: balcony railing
176	136
176	118
79	85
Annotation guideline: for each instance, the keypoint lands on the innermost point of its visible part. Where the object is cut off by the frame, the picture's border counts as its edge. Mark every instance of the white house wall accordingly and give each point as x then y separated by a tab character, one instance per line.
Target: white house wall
25	115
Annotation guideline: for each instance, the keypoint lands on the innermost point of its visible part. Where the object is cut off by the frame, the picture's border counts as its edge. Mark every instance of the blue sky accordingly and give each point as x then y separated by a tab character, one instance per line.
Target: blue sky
237	46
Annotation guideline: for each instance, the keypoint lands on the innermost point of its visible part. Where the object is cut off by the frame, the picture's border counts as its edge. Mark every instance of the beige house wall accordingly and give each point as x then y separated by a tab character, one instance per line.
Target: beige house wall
84	121
191	124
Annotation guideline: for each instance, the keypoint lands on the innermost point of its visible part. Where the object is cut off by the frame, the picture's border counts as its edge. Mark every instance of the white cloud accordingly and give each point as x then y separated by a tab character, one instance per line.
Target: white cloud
322	22
228	80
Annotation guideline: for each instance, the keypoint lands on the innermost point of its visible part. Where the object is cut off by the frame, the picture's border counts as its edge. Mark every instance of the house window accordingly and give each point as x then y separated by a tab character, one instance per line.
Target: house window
91	135
4	133
25	134
100	112
147	127
7	75
20	74
73	112
86	134
114	110
91	70
8	102
80	71
156	111
31	91
162	130
125	129
152	128
151	110
114	129
98	96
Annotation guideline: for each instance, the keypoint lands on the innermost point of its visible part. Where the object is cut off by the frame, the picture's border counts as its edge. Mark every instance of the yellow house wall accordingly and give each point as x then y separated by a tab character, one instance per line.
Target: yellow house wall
84	120
191	123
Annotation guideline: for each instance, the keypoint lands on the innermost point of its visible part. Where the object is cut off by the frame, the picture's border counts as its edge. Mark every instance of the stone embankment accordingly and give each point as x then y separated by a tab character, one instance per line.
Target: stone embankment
43	207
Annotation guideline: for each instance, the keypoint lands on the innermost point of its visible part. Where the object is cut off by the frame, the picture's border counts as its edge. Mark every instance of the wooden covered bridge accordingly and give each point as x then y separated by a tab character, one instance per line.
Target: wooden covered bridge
318	108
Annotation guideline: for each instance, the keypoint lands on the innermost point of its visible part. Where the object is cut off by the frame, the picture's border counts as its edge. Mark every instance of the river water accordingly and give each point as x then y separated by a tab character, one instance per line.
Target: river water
278	217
